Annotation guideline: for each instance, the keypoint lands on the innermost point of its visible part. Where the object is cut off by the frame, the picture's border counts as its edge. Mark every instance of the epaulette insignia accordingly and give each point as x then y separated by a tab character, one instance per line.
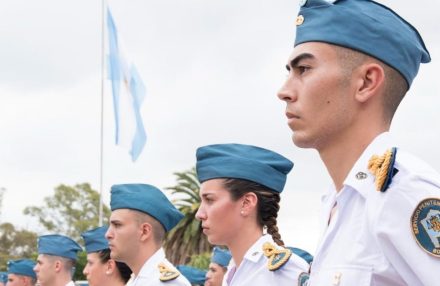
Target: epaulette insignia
382	167
425	225
277	257
167	273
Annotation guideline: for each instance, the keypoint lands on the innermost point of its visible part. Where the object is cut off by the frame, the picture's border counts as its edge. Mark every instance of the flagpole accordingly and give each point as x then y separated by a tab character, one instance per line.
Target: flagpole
101	159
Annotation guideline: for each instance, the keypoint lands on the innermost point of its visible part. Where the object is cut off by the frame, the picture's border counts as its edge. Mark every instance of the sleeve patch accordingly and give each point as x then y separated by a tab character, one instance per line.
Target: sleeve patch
425	225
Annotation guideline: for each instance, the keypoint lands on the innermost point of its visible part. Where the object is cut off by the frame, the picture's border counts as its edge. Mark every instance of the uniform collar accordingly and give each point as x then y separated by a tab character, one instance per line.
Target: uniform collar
360	178
256	250
151	265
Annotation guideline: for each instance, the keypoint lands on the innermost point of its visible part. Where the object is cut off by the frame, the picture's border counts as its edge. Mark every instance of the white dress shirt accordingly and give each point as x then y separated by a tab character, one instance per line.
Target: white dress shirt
369	239
149	274
253	269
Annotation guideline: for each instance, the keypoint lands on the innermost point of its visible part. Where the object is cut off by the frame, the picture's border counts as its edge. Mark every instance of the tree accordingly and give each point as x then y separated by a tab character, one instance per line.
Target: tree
70	211
15	244
186	240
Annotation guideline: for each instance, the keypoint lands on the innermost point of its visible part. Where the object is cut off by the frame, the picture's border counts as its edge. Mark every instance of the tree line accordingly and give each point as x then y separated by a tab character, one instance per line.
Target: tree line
72	210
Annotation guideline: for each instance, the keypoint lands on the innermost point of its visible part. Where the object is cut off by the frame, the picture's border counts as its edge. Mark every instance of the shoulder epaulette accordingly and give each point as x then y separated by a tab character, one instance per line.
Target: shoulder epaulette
167	273
276	257
382	167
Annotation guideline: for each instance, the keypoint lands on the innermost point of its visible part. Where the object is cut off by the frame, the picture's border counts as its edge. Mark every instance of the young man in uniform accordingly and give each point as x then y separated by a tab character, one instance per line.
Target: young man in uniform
352	64
21	273
141	216
57	256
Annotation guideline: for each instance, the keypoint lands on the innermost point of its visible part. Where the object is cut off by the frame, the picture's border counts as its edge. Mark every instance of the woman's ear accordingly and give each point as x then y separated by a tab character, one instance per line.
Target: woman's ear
370	81
248	202
110	267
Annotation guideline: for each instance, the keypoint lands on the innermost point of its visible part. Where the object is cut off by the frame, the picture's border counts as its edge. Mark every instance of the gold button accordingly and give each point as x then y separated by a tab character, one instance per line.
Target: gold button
337	278
299	20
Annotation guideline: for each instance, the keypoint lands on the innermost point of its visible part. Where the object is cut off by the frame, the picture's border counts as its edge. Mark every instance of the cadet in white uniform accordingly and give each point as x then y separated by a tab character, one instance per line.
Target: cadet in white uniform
57	256
352	64
240	187
141	215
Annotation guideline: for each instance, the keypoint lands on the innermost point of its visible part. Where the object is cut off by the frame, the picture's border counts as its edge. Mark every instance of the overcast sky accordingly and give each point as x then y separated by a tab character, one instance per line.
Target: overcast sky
212	70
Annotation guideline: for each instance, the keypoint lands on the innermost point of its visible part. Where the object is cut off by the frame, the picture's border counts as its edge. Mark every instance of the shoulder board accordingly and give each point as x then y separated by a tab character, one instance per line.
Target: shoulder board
276	257
167	273
382	167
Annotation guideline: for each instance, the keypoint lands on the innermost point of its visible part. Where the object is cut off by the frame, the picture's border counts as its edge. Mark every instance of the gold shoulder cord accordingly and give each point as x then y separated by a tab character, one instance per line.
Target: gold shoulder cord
166	273
277	257
380	167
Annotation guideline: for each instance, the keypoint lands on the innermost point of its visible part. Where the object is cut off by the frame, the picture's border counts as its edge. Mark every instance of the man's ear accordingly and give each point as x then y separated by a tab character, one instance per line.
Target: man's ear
58	265
146	231
370	81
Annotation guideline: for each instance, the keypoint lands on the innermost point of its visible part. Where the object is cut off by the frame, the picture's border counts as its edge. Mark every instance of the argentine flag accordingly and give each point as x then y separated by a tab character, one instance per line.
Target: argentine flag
128	95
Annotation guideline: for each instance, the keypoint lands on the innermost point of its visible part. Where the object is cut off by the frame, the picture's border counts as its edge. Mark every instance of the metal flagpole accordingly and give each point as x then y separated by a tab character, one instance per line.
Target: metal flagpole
101	160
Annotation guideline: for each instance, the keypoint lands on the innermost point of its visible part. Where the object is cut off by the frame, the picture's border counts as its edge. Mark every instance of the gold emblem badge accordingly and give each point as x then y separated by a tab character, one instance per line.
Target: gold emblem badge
299	20
277	257
167	273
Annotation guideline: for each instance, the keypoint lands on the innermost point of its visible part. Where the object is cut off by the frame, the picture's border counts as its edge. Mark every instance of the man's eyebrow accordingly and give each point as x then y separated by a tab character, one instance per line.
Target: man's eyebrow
294	62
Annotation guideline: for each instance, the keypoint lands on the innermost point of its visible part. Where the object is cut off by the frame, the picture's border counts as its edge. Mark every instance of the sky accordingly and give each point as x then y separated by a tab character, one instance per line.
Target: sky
212	70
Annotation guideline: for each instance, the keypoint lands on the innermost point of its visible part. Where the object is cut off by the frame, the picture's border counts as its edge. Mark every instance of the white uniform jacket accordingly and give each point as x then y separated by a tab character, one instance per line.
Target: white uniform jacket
253	270
370	240
150	274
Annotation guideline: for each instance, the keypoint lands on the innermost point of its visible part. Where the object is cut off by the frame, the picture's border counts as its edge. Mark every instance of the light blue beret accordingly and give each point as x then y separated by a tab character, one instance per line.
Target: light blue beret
221	256
23	267
194	275
246	162
147	199
365	26
95	240
58	245
4	277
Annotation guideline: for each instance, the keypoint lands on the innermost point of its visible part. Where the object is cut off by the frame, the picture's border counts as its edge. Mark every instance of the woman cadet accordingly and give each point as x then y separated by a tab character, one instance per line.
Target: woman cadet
240	195
100	269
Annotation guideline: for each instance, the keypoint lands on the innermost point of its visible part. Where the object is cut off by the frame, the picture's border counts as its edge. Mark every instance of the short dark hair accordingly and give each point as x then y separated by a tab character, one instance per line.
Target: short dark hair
395	84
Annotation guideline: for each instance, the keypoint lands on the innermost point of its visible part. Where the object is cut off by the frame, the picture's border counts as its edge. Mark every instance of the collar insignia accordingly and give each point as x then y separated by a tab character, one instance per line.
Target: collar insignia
277	257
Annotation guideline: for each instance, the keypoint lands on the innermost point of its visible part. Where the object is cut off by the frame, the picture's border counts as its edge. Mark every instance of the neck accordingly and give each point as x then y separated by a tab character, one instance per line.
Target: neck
114	280
241	243
145	252
340	155
63	279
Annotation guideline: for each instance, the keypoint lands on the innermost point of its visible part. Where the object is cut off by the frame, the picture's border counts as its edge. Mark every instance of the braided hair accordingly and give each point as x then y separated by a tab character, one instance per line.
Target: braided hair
268	203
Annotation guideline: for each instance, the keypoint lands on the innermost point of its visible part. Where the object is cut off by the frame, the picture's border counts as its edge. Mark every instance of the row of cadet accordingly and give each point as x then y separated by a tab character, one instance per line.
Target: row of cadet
21	272
240	192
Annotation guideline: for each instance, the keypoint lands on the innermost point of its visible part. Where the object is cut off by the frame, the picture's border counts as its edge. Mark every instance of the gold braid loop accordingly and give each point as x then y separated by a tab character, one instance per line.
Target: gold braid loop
277	257
167	273
379	166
